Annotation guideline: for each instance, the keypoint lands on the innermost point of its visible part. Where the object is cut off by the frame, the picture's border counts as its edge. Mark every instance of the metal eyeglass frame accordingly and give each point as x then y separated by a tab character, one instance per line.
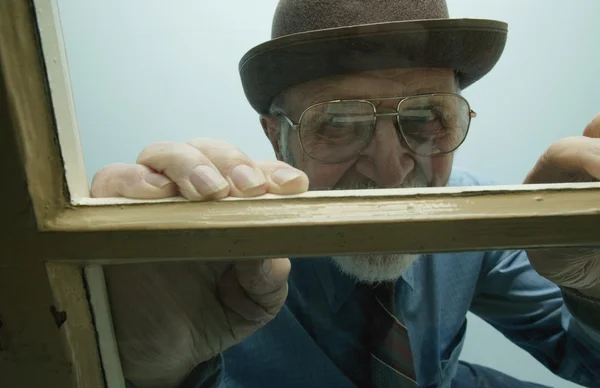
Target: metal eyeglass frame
376	114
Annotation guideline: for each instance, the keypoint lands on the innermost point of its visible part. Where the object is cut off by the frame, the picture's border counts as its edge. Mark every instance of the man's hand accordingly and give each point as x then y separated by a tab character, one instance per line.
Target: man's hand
169	317
573	159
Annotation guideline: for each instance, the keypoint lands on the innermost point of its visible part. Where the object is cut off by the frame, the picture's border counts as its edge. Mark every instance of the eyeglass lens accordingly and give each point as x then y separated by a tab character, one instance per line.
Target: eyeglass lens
429	125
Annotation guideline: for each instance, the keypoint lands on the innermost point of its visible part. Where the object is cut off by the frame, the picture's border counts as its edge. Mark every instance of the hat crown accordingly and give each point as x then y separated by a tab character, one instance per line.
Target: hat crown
295	16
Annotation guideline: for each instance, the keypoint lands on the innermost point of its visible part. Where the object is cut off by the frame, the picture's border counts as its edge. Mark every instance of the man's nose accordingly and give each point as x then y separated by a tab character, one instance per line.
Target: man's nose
386	160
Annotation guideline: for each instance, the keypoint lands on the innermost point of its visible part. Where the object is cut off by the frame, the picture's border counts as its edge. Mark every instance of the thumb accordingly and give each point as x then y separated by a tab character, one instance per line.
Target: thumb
265	281
254	290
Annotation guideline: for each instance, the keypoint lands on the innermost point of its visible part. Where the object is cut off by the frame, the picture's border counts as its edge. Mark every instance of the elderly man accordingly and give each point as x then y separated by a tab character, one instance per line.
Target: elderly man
352	95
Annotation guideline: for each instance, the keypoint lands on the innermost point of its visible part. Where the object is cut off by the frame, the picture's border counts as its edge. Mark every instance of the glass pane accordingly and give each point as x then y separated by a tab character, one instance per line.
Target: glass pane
189	98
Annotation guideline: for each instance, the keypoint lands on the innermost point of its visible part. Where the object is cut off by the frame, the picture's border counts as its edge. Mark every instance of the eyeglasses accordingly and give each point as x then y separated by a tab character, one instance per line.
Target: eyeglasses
339	130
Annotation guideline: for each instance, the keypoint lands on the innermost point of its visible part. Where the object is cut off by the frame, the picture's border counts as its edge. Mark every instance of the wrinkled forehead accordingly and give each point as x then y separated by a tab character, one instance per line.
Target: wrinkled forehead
372	84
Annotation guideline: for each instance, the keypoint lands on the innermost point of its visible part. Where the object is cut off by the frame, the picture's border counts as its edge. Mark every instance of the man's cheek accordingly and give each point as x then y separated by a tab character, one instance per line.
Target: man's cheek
324	177
436	169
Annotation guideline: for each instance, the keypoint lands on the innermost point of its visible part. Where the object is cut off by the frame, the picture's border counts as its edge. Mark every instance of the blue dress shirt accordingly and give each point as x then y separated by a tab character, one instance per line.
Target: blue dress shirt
316	339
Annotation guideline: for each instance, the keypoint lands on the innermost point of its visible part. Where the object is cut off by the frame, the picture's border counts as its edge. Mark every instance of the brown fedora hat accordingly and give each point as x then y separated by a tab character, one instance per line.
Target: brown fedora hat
312	39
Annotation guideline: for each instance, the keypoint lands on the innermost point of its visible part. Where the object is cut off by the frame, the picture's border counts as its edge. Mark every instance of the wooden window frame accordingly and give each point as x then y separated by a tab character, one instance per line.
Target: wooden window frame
56	331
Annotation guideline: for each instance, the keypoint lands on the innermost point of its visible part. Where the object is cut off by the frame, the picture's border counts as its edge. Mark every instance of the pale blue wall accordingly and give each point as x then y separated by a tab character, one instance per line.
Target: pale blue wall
150	70
544	88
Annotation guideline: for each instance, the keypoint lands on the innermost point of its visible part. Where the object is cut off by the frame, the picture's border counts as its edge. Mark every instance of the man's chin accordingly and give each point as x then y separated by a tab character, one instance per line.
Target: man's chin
372	269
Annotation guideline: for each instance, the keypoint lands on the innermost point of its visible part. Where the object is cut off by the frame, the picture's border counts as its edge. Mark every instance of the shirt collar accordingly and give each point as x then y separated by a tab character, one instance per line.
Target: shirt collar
337	286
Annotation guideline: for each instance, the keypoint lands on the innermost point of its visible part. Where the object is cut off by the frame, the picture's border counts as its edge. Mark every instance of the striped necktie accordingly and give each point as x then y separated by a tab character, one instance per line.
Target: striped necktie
391	357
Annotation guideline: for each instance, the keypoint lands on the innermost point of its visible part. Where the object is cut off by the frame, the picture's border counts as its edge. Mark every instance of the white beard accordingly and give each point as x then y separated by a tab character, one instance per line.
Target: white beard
373	269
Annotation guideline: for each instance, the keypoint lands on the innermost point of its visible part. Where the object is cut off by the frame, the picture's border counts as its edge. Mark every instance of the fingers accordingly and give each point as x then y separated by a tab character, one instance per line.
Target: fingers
244	177
283	178
202	169
256	289
131	181
578	155
195	175
211	169
248	178
590	157
593	128
572	159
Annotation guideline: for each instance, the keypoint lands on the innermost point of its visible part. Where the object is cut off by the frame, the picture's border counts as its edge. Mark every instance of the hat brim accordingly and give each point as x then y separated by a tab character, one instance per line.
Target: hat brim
471	47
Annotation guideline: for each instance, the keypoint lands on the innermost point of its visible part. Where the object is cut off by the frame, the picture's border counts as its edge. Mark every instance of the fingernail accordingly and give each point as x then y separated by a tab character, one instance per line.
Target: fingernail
207	180
283	176
245	177
157	180
266	267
